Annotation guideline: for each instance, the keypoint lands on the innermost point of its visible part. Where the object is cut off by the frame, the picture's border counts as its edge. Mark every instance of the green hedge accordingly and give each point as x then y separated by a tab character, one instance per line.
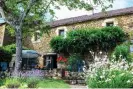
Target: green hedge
89	39
6	52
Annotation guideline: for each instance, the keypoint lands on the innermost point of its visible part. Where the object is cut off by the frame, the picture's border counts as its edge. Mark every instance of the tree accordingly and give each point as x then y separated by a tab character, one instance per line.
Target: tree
24	15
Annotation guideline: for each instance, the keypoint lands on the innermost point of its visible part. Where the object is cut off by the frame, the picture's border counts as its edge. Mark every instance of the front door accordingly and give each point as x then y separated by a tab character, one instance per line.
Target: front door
50	61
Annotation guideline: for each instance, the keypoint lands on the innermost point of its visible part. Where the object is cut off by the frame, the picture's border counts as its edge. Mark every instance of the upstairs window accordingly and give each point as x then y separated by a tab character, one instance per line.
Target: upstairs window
36	36
0	15
108	24
62	32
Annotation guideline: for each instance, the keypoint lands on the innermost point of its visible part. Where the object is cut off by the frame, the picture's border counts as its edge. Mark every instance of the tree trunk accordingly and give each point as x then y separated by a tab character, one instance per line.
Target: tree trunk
18	60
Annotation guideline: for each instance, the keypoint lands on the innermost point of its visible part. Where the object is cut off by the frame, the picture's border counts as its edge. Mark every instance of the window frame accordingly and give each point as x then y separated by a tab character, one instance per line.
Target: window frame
115	22
61	28
33	37
60	32
108	24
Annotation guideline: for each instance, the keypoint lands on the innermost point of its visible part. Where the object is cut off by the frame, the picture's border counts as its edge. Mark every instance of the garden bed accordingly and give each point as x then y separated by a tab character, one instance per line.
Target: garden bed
33	83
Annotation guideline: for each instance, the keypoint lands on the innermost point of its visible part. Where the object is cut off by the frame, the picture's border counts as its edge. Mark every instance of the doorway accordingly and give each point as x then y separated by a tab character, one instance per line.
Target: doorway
50	61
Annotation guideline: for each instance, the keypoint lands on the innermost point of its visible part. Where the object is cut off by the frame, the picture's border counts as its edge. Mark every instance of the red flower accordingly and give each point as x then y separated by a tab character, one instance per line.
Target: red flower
61	59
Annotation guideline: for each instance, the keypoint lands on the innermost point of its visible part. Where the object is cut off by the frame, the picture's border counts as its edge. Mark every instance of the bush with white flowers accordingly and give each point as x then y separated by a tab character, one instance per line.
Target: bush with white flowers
104	73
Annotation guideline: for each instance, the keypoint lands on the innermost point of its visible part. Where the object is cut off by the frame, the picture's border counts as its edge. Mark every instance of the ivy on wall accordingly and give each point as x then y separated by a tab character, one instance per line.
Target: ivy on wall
89	39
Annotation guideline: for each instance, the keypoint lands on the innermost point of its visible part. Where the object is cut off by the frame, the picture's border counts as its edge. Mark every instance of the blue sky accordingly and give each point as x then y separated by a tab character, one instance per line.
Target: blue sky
65	13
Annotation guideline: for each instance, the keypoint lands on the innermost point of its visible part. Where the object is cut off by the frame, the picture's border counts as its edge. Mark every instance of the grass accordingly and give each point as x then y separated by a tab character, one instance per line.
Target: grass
52	83
32	83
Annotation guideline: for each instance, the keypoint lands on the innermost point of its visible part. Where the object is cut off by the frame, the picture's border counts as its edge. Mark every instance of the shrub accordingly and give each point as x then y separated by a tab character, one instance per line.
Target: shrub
58	44
32	82
75	61
111	79
122	52
12	83
6	52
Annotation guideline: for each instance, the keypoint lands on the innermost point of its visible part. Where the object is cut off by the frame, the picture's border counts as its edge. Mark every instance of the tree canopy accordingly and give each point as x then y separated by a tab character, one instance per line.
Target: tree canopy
29	15
36	16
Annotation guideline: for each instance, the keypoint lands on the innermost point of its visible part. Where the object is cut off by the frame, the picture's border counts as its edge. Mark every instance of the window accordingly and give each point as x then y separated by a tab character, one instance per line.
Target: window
29	63
36	37
62	32
109	24
0	15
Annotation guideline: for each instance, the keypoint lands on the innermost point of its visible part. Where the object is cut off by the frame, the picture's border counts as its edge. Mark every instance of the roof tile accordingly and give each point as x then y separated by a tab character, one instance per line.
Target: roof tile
95	16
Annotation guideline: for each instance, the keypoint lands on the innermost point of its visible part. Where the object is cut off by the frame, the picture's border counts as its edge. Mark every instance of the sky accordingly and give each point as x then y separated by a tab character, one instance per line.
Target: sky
65	13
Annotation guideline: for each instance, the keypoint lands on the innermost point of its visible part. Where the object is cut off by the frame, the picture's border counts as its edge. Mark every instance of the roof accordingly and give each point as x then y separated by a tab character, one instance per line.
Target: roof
95	16
2	21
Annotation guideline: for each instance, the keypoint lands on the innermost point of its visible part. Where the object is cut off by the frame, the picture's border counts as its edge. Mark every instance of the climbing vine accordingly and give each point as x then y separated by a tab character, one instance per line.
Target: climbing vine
89	39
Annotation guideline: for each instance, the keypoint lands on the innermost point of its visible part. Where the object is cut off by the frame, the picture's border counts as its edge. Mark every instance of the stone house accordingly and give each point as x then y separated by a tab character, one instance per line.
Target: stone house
5	37
2	31
120	17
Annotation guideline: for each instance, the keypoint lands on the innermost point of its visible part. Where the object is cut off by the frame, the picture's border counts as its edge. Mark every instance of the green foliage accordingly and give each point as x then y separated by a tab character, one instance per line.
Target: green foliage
40	12
111	79
122	52
74	60
89	39
1	82
12	83
52	83
6	52
5	55
60	44
33	82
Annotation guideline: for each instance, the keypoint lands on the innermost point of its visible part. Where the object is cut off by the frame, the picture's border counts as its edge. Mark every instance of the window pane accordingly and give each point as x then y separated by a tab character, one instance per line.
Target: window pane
61	32
110	24
37	36
0	15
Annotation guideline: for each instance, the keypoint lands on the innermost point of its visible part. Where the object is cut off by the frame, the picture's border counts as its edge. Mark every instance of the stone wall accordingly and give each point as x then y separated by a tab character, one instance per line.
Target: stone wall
126	22
2	30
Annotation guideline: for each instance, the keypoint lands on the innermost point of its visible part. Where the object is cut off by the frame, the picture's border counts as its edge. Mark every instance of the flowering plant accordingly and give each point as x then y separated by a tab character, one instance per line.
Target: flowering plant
105	73
61	59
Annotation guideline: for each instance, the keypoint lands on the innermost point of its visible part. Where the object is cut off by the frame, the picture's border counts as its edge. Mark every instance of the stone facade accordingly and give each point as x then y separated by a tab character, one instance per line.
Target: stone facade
124	21
2	31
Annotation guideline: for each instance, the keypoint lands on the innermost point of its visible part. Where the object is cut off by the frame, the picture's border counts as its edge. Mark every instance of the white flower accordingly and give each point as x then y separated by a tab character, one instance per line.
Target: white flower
132	72
122	74
108	80
101	77
113	76
100	52
128	81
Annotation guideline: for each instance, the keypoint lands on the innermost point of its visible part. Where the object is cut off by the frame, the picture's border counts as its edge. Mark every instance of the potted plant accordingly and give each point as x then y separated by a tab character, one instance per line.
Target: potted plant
61	62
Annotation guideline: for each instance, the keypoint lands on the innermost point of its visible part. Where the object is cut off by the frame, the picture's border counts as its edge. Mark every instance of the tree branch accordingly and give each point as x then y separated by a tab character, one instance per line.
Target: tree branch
48	6
4	17
24	14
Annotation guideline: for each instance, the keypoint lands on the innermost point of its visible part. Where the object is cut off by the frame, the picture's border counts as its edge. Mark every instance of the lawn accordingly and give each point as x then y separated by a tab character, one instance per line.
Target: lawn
32	83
